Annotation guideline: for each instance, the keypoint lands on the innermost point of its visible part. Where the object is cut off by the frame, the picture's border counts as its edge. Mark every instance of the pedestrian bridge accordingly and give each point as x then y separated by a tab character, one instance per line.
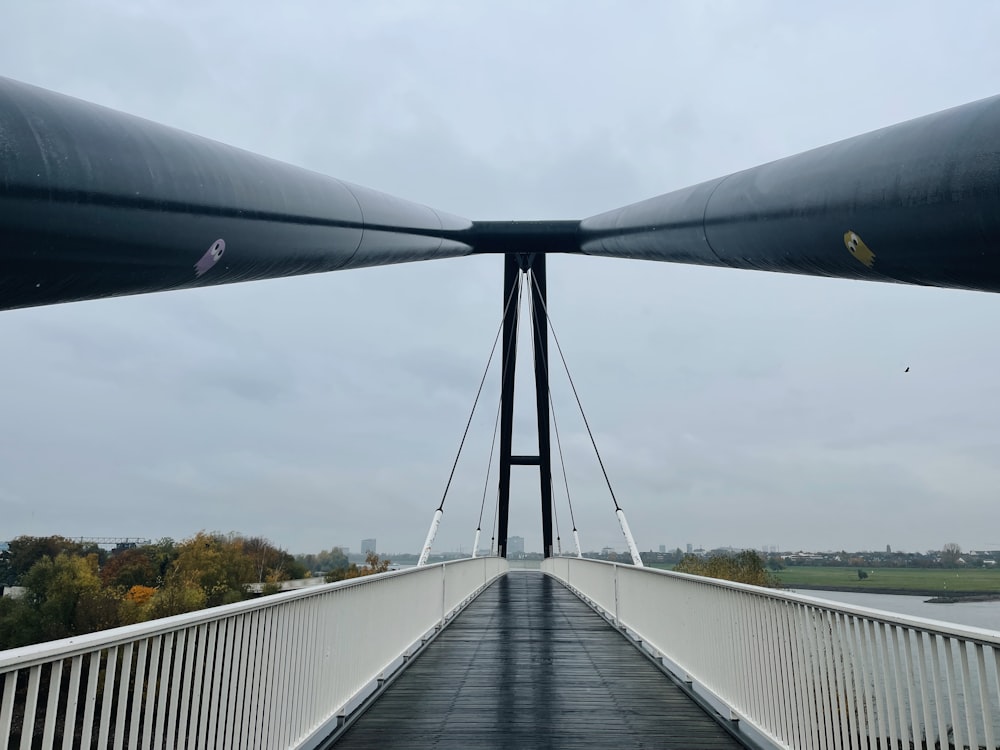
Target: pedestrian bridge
469	654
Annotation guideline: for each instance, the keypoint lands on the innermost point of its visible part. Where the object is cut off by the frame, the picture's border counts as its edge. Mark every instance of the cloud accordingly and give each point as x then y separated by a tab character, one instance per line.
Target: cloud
320	410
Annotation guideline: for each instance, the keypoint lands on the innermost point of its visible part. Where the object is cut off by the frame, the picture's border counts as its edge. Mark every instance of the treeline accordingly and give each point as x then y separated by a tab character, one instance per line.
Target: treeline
70	588
323	562
333	565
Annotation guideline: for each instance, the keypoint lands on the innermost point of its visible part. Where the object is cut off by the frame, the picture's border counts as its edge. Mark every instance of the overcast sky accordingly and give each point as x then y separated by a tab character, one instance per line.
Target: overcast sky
731	407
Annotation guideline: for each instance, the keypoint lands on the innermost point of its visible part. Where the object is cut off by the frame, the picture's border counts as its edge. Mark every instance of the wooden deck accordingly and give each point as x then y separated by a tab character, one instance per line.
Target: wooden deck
529	665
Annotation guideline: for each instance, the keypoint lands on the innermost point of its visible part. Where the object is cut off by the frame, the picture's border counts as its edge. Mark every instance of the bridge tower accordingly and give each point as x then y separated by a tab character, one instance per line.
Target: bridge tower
533	265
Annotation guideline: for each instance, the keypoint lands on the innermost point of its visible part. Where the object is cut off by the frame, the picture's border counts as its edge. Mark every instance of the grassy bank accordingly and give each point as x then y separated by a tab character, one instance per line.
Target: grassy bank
930	582
937	582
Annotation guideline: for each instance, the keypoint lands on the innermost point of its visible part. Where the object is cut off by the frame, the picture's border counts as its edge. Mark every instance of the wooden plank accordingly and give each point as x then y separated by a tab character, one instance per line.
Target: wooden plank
530	665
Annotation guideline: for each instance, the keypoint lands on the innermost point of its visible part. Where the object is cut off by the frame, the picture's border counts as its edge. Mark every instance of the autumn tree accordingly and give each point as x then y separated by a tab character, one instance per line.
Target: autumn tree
373	564
64	597
162	552
72	588
213	563
743	567
270	563
24	551
131	567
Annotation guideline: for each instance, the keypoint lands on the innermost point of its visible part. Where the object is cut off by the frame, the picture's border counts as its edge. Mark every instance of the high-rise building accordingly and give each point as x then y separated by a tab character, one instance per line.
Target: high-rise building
515	546
663	548
367	545
689	548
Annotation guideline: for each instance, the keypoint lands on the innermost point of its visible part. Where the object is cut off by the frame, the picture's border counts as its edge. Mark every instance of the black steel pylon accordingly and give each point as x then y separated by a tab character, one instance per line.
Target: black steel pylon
532	264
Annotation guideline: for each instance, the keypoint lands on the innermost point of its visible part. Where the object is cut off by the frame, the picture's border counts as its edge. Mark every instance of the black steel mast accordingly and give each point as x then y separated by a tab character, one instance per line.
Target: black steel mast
532	264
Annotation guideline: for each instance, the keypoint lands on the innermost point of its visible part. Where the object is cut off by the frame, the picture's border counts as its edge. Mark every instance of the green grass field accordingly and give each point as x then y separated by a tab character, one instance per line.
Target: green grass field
904	579
937	582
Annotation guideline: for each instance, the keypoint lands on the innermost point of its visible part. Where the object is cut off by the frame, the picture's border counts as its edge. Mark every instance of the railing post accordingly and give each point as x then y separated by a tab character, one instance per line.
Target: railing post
443	587
253	673
805	672
618	622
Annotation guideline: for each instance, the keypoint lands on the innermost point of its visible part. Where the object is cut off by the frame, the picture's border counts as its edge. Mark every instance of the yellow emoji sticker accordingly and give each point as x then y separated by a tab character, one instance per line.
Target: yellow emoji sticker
856	246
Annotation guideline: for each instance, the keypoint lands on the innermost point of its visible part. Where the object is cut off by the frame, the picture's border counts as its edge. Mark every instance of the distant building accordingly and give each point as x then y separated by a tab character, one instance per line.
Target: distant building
367	545
515	546
663	548
689	548
888	549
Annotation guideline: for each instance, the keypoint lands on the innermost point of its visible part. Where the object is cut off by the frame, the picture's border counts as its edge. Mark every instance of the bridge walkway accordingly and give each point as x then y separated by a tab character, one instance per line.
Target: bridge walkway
529	665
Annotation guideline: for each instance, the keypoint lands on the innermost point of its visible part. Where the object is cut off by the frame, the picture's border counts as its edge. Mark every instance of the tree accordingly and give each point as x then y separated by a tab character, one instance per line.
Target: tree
373	564
325	561
862	575
18	623
270	563
66	597
743	567
25	551
214	564
950	553
131	567
175	598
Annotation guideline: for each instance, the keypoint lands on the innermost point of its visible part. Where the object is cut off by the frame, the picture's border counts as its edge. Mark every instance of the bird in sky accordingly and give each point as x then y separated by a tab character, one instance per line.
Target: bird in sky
907	369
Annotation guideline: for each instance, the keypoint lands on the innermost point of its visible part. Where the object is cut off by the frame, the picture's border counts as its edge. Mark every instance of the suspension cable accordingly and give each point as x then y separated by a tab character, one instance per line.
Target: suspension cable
555	426
496	422
489	468
436	521
548	396
486	486
576	395
626	532
476	401
562	460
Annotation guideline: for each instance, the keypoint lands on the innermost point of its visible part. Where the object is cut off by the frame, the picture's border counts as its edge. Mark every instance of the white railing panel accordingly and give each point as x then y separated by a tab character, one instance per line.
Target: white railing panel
804	672
272	672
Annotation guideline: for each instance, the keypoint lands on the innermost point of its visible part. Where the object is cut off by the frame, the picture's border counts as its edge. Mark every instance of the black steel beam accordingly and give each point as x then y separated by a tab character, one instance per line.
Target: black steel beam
511	280
97	203
525	460
916	203
524	237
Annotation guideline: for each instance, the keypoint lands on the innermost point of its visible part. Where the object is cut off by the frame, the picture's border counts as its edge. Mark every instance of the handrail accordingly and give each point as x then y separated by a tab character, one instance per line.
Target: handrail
802	671
968	632
26	656
279	671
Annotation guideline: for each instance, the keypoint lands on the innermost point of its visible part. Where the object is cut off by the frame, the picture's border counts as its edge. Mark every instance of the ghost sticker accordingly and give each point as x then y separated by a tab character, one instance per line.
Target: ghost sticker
857	248
210	258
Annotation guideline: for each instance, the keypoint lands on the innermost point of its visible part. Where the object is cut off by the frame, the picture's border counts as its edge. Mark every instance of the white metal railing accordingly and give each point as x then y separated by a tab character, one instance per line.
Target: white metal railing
274	672
805	672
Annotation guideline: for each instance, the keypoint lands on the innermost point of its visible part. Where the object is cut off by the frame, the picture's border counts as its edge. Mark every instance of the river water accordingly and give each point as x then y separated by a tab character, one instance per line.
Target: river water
975	614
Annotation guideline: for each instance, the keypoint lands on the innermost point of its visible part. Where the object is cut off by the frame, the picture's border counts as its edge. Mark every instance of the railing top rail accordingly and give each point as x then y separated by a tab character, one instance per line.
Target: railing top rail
39	653
967	632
